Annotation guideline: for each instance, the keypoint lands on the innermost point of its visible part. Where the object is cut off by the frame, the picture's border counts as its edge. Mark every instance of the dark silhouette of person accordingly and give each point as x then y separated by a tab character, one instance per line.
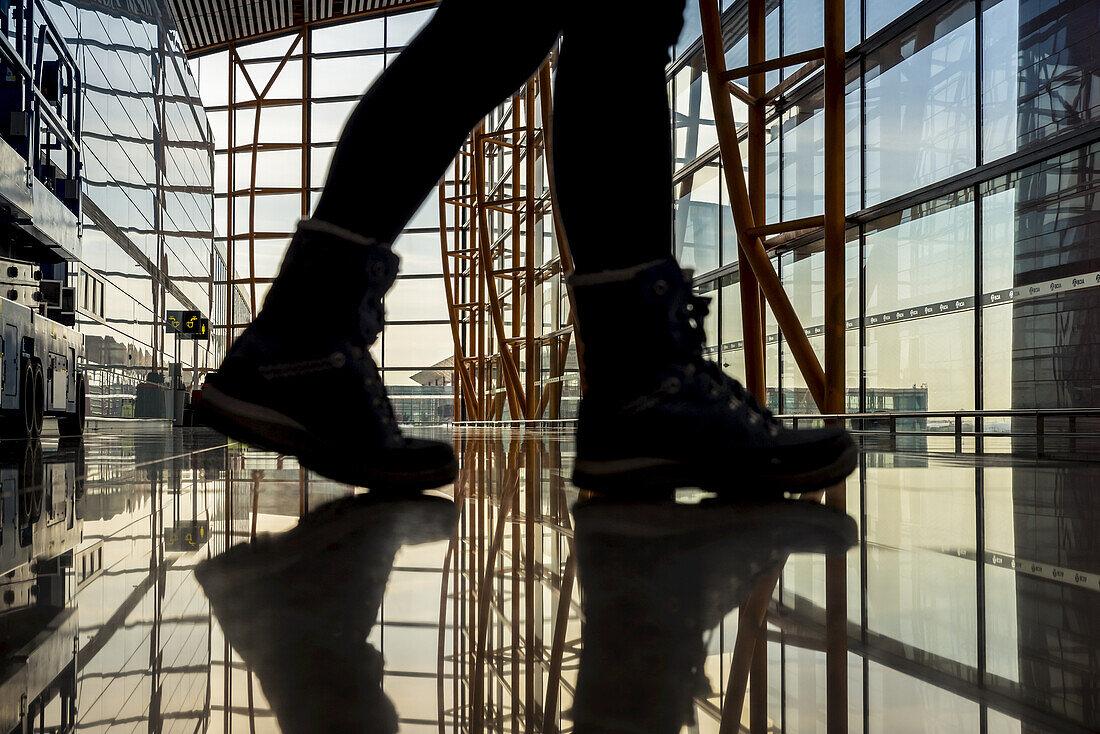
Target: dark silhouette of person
655	415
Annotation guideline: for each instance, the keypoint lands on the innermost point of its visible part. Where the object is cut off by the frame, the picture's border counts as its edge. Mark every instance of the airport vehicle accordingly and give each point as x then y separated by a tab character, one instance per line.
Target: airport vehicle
40	191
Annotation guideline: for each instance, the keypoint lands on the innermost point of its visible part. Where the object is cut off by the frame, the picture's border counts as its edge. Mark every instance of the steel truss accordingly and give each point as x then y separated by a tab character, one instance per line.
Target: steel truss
497	277
509	566
759	283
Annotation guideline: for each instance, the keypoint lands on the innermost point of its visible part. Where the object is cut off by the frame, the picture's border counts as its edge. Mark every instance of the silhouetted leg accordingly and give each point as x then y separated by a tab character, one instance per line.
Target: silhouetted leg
412	121
612	135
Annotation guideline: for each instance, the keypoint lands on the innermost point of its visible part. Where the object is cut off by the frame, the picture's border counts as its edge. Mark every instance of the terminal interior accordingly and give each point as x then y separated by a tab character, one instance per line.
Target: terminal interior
939	296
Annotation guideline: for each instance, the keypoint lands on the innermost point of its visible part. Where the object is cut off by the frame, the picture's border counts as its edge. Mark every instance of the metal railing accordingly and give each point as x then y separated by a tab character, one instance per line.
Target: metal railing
962	424
51	87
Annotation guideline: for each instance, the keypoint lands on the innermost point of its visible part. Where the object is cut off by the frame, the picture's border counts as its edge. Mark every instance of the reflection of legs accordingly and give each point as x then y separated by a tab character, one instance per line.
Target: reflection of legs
411	122
612	142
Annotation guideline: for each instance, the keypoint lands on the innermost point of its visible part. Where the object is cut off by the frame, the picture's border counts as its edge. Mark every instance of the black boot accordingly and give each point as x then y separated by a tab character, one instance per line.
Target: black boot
656	578
656	415
298	608
301	381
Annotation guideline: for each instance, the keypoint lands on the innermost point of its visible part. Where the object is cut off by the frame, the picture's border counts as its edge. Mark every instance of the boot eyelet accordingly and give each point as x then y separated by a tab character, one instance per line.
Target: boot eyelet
660	287
672	385
338	359
378	269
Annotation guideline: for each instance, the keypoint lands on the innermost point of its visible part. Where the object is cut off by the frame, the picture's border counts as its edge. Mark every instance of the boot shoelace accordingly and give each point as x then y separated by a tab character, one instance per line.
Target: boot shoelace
696	311
380	400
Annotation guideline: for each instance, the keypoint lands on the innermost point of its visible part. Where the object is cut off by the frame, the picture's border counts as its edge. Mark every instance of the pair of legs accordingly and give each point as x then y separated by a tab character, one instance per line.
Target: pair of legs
612	140
656	415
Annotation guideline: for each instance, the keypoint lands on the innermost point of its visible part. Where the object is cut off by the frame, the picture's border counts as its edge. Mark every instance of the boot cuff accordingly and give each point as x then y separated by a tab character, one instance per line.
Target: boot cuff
322	227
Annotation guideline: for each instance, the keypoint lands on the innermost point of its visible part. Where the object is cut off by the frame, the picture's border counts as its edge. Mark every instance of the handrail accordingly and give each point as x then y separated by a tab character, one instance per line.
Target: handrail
996	413
26	59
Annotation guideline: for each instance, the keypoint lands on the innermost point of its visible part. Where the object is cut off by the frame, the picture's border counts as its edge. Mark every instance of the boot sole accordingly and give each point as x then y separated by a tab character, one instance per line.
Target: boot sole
269	429
646	475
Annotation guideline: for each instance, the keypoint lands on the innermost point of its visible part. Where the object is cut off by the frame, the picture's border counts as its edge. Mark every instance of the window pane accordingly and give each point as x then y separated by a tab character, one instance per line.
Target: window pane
420	252
400	29
281	168
1039	70
693	115
696	222
336	77
1040	248
920	106
803	143
919	299
419	346
327	120
417	299
361	35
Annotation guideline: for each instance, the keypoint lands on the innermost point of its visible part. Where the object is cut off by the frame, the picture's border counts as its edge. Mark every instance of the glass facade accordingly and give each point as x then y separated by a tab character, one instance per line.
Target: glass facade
147	244
971	189
277	107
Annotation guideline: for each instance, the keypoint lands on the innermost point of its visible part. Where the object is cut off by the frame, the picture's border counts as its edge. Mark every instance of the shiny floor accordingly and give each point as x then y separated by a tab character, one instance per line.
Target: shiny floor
158	579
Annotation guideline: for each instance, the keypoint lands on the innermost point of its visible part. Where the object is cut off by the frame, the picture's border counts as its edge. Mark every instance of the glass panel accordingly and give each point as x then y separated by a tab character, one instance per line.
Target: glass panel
804	281
342	76
213	78
804	21
420	253
282	124
278	168
416	299
269	48
881	12
920	105
417	346
1041	283
278	212
327	120
919	301
732	336
693	116
920	257
360	35
890	700
803	172
400	29
319	159
1039	72
696	219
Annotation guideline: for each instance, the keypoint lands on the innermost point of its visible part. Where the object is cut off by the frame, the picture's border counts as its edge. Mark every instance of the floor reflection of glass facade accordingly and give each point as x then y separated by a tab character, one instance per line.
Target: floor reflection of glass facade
972	595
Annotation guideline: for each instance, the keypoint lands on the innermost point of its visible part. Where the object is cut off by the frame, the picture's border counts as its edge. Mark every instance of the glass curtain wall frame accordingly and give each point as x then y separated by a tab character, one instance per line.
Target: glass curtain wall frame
277	106
964	56
511	329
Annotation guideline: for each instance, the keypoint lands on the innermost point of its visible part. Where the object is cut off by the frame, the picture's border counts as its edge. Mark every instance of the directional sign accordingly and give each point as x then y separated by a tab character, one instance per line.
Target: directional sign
186	536
188	324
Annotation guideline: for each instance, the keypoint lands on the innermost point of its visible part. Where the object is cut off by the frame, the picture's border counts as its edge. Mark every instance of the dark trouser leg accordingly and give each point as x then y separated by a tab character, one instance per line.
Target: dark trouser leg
411	122
612	136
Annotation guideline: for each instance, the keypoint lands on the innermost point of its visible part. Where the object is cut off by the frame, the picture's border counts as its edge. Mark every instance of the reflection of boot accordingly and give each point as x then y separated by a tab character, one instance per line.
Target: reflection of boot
657	415
655	578
301	381
298	608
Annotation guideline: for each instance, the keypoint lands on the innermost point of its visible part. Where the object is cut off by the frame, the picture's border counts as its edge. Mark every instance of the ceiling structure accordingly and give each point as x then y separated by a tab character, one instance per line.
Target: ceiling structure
207	25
